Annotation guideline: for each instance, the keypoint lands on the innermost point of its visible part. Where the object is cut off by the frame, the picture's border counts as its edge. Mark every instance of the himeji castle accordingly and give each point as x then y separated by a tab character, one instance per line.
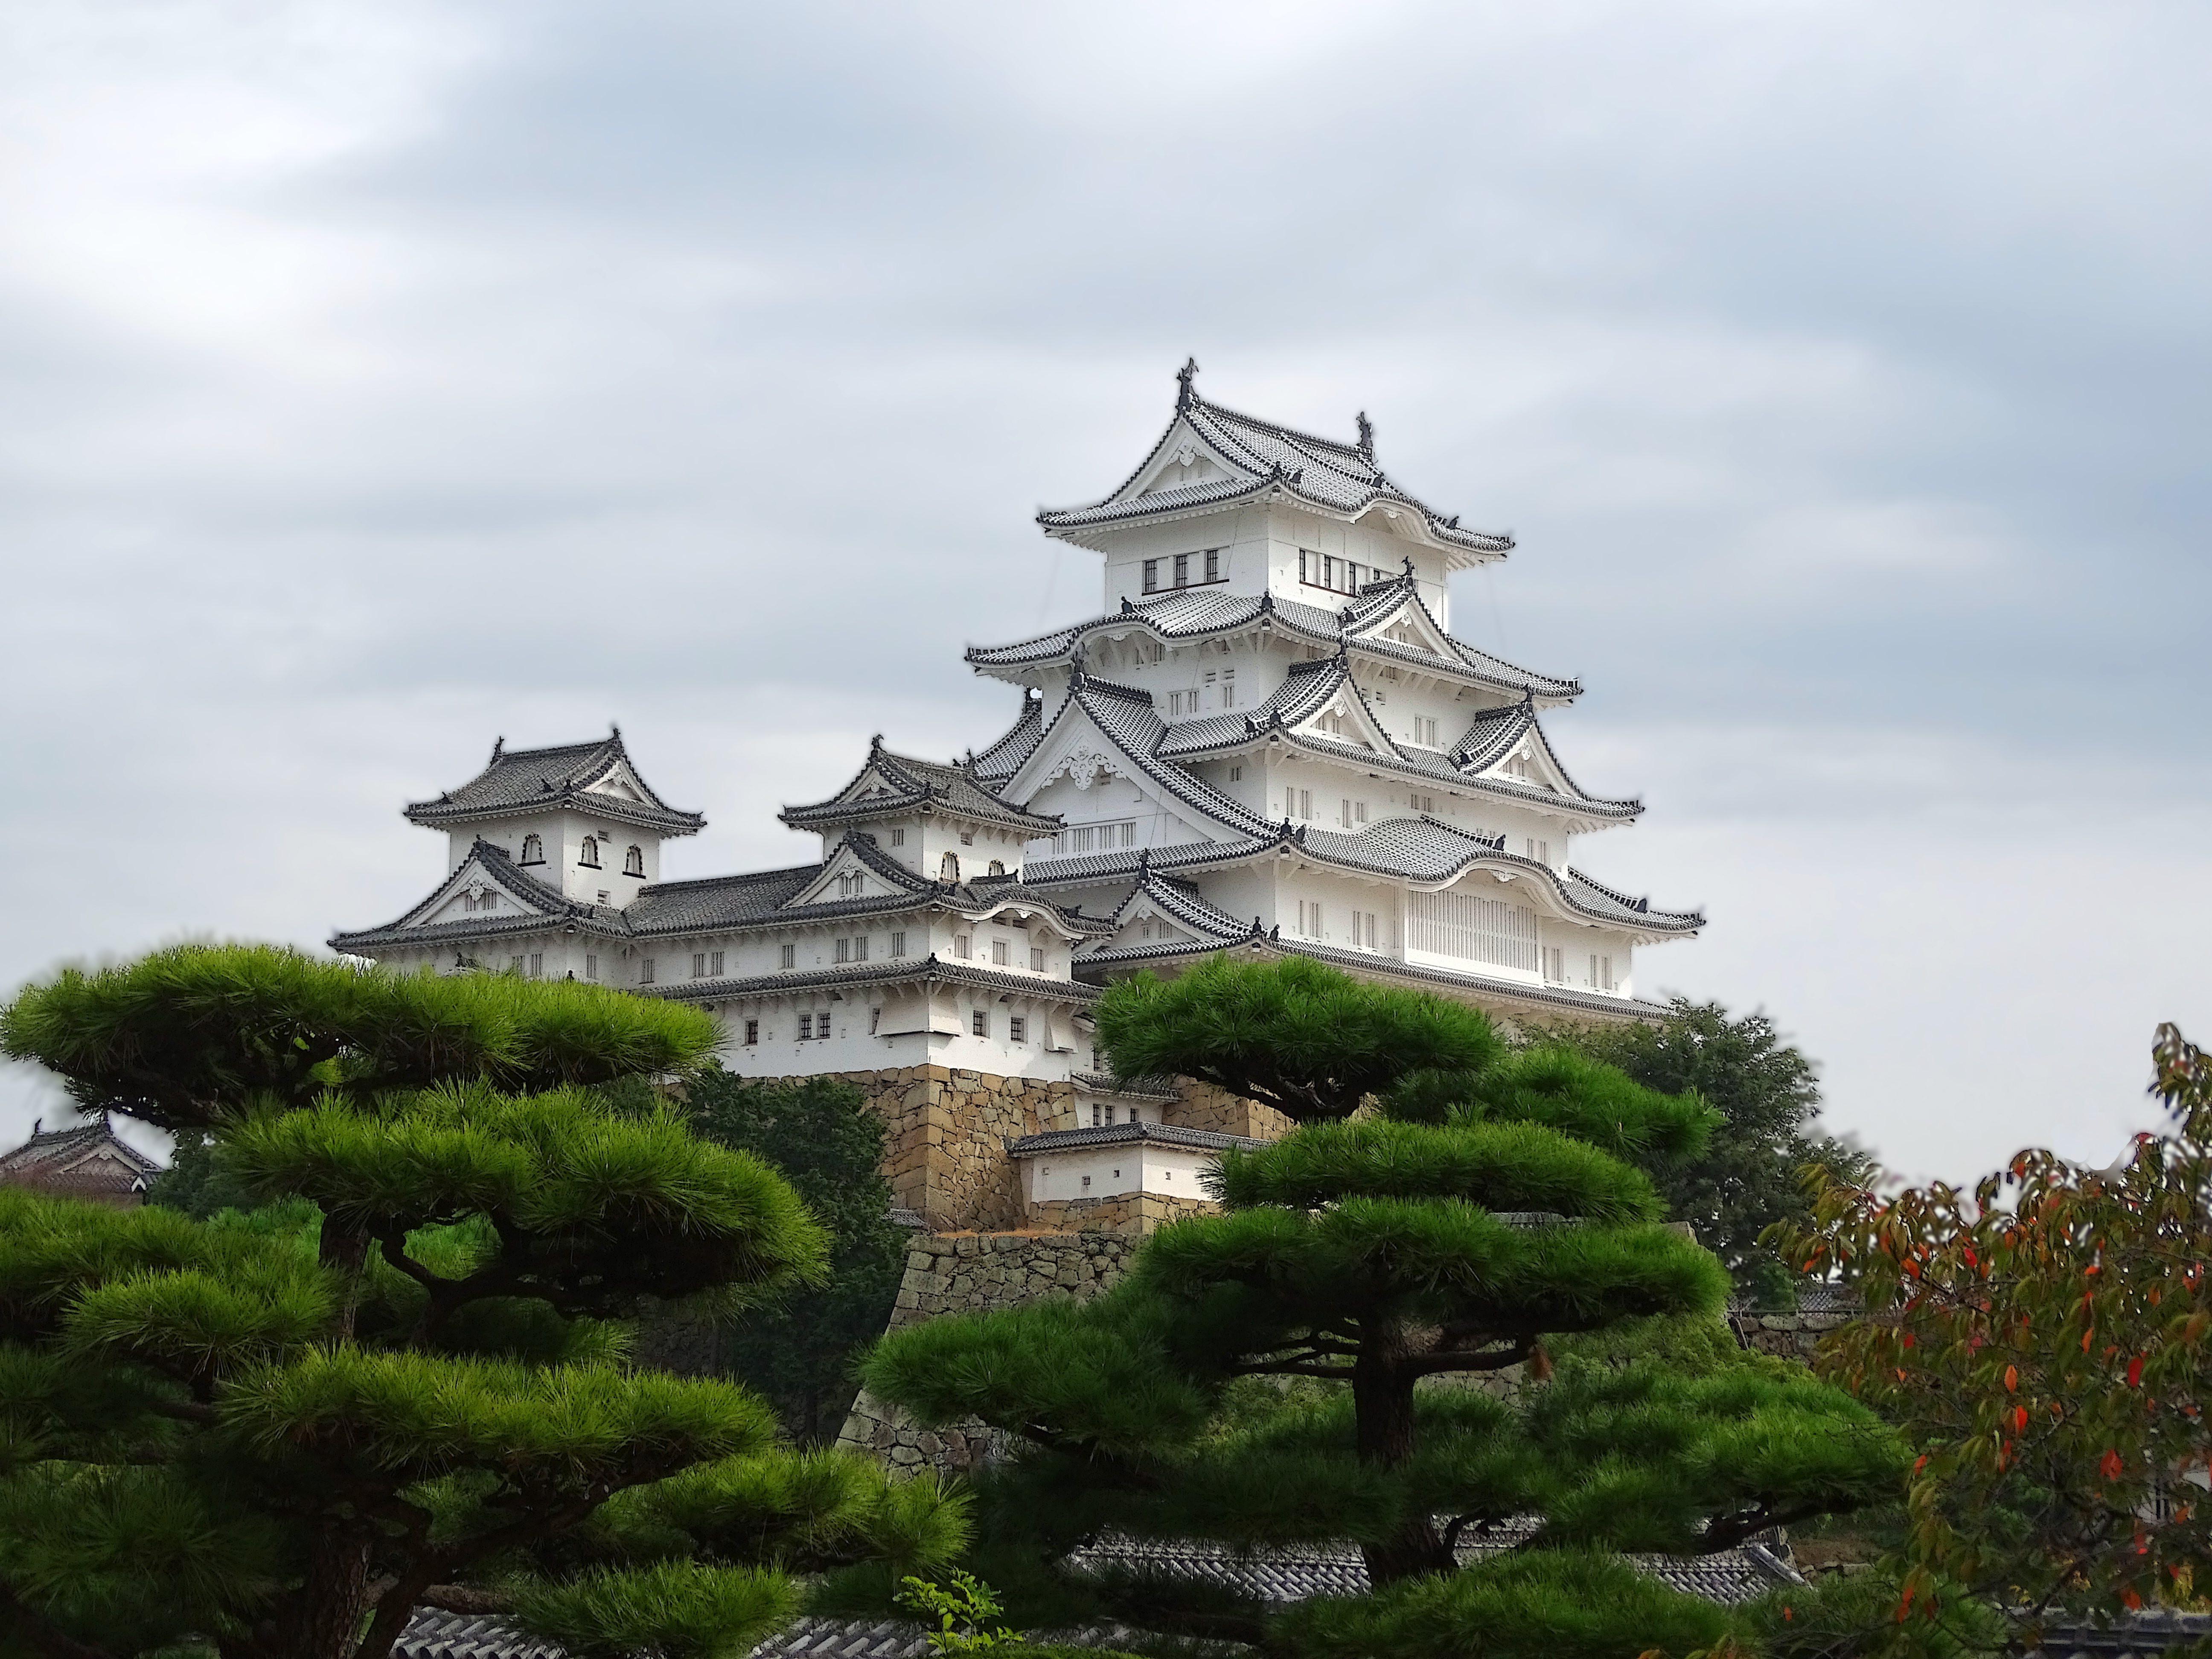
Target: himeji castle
1267	742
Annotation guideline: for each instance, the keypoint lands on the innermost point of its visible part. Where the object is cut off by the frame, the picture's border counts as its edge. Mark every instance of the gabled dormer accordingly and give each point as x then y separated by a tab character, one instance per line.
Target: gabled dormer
922	814
857	869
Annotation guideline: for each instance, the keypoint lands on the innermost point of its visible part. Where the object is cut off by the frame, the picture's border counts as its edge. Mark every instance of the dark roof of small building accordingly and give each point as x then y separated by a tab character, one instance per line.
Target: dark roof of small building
1117	1134
86	1157
1134	1088
1261	457
565	776
903	784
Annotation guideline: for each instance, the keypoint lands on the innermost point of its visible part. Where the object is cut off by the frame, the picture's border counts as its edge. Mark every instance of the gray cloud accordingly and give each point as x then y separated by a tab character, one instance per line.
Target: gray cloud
377	380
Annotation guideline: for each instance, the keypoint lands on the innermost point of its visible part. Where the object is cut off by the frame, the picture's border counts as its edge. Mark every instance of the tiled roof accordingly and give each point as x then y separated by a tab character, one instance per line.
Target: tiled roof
2137	1635
1280	1575
533	780
853	1639
906	784
930	967
85	1159
1181	900
1195	614
1337	477
1116	1134
1139	1088
670	907
546	906
997	762
431	1634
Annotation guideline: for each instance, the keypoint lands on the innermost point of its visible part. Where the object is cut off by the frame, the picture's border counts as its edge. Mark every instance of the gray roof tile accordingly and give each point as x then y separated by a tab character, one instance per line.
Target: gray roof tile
533	780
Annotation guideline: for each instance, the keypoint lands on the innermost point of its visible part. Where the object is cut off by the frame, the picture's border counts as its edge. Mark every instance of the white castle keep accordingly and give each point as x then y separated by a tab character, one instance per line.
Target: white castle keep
1268	743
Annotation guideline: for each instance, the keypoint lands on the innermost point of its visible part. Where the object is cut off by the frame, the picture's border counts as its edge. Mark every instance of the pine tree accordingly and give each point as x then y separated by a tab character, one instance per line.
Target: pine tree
821	1136
398	1380
1484	1203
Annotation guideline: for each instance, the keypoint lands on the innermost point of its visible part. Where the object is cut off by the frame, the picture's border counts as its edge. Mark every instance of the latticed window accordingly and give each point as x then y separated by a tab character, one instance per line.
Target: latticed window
633	861
533	849
588	854
1474	929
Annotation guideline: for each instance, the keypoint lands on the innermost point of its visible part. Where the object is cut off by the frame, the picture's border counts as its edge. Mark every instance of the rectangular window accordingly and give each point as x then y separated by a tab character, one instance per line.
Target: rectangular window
998	957
714	964
898	944
960	946
645	971
752	1033
1151	575
1037	960
979	1022
537	964
1097	1121
1309	919
514	964
1214	564
898	837
1539	850
1555	965
1605	967
1182	570
1229	688
807	1028
1363	930
790	959
1422	803
698	964
1472	929
1018	1029
844	950
1236	774
591	967
1305	802
860	948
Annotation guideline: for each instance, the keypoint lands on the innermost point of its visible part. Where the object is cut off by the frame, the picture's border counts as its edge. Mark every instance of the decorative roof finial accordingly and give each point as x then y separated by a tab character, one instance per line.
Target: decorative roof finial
1366	444
498	744
616	730
1184	376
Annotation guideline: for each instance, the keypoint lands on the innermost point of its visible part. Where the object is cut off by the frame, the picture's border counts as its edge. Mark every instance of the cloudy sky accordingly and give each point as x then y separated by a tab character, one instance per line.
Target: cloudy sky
378	378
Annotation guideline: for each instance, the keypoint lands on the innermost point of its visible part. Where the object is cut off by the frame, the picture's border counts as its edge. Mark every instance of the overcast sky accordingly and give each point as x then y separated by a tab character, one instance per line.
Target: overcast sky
380	379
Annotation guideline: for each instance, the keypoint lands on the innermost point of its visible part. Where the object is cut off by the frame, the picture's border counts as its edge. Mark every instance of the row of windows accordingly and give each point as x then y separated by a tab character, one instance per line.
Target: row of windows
1338	575
1601	969
1219	690
1103	1116
1185	570
587	855
815	1028
1096	837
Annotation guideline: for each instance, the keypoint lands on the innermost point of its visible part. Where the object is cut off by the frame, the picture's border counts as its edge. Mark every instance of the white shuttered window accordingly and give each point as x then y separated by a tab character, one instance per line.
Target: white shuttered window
1475	929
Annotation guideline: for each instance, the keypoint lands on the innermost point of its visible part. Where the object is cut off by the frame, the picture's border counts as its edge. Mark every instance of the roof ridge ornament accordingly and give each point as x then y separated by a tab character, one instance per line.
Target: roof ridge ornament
1185	395
1366	444
498	746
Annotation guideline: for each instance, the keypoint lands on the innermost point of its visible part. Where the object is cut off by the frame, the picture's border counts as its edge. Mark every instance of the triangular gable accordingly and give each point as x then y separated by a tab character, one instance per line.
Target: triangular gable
856	870
1081	751
1181	459
1343	716
1407	622
484	888
1156	912
621	782
1529	761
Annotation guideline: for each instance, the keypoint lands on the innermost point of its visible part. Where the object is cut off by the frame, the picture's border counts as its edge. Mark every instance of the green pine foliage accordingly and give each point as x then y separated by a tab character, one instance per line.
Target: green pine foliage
1378	1265
1744	1178
389	1368
799	1351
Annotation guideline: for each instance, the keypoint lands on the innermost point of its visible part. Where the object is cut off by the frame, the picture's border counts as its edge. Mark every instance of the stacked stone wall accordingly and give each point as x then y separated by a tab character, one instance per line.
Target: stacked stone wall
1204	1106
1787	1335
1131	1213
979	1272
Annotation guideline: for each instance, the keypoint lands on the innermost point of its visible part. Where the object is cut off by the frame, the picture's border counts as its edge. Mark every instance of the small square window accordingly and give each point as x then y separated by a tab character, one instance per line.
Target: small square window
807	1028
898	837
752	1032
898	944
790	955
1037	960
979	1022
1018	1029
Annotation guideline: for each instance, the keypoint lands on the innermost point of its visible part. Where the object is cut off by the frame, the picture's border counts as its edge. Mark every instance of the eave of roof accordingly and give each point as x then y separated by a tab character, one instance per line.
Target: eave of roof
1116	1134
502	791
956	791
930	967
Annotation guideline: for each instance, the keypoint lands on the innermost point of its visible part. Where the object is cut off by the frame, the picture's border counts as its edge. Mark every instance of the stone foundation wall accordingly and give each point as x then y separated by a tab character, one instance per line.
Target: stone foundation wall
1788	1335
1204	1106
946	1130
977	1273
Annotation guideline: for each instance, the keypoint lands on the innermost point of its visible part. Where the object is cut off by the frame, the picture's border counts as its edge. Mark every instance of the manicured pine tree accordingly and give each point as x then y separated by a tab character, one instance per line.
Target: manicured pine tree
399	1380
1443	1206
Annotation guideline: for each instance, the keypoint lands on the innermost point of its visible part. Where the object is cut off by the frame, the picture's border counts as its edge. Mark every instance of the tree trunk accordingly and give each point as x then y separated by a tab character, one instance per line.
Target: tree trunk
346	1250
1382	1401
323	1618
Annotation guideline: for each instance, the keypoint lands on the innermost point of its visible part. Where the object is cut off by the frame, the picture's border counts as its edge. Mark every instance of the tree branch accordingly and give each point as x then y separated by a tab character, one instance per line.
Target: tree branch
45	1635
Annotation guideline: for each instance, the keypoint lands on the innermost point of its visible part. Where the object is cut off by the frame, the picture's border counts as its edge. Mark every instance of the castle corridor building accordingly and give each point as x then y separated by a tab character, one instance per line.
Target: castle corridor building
1267	742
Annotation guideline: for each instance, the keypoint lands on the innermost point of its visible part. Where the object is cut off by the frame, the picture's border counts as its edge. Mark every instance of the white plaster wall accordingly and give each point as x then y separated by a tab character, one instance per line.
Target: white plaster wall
1115	1170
